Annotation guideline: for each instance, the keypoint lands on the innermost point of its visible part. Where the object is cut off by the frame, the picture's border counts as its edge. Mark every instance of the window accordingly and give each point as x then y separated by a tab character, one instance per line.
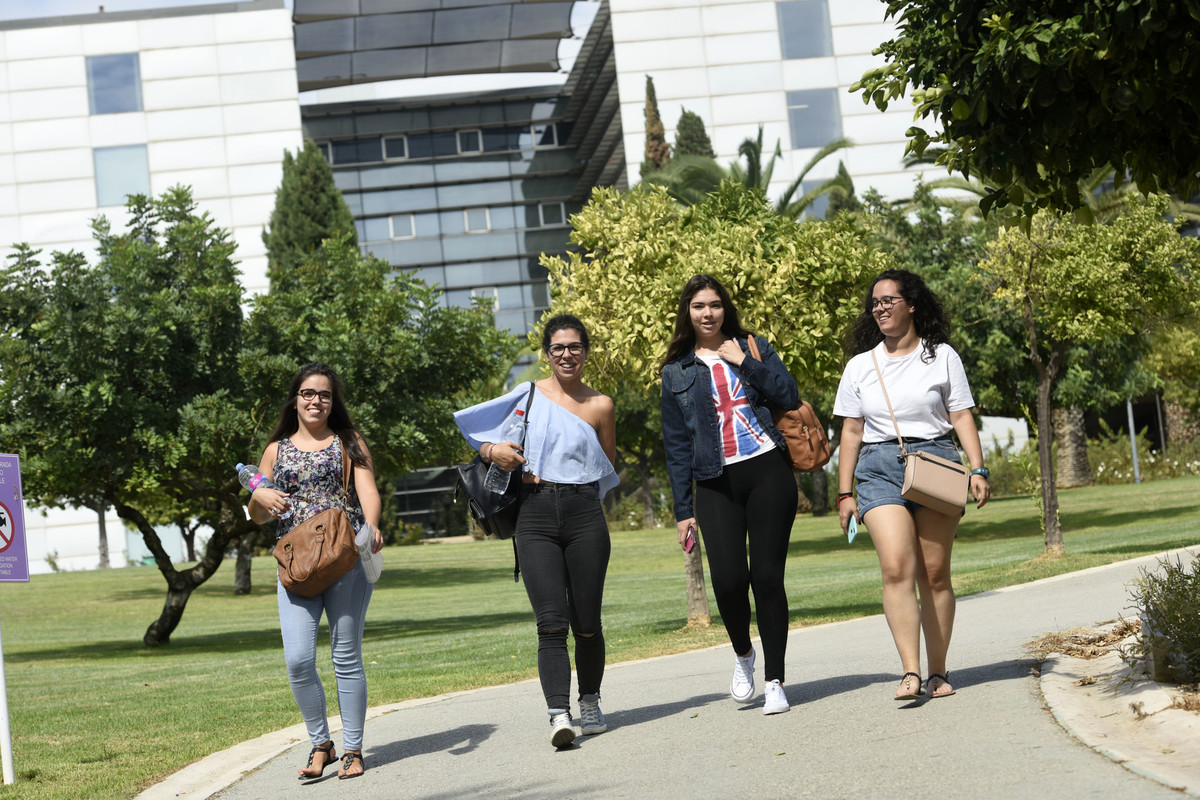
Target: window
470	142
402	226
395	147
814	117
544	136
114	84
804	30
357	151
477	220
120	171
488	294
552	214
820	206
326	150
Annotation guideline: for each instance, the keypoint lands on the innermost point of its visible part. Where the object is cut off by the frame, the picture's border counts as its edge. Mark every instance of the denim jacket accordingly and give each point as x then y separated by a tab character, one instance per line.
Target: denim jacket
689	417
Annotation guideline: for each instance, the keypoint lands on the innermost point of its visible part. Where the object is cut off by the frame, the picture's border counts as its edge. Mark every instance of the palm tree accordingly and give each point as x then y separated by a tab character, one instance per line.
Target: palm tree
689	179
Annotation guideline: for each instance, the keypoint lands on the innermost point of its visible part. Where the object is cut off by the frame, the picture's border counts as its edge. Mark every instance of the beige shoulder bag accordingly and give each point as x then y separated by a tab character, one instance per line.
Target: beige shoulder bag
930	481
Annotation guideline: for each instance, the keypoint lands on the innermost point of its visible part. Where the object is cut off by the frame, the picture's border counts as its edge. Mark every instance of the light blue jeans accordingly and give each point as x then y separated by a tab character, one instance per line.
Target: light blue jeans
345	605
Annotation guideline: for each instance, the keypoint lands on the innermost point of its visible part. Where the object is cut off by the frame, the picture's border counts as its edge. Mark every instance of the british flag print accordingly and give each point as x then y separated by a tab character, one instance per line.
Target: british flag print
741	432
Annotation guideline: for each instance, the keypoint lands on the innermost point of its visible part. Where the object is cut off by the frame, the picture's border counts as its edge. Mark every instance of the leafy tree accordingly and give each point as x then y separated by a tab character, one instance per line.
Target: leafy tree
1077	285
308	209
690	137
1035	96
1175	358
658	152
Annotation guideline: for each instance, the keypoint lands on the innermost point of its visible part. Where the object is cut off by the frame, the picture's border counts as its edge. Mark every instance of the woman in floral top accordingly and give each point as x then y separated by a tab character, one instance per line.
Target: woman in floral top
304	459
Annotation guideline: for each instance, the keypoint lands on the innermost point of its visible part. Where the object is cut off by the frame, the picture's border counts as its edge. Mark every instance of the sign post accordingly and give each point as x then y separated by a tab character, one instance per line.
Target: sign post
14	567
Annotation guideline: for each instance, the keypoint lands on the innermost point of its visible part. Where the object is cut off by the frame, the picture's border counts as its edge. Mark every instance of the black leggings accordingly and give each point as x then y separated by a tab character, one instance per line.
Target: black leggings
756	497
563	545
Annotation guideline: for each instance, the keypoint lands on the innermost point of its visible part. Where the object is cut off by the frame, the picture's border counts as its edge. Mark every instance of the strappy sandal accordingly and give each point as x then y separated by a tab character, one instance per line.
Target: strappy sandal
347	763
909	694
944	677
330	757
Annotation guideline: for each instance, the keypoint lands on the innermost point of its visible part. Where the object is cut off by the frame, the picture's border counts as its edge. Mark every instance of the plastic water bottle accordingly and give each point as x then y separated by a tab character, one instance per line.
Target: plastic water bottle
497	476
372	562
251	479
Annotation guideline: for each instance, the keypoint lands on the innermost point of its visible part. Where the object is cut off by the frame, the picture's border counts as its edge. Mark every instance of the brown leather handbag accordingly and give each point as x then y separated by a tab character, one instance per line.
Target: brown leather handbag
807	444
313	555
931	481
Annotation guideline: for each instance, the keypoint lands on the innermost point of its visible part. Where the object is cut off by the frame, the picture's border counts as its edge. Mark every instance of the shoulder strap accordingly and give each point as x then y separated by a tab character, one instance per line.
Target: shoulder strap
529	402
346	466
753	347
888	400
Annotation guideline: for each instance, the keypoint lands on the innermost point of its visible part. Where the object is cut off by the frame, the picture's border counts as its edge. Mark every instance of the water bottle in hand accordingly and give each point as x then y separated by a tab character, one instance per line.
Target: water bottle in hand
497	476
251	479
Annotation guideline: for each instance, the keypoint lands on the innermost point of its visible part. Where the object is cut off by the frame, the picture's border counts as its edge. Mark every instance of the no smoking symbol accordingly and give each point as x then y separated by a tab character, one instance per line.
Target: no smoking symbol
6	528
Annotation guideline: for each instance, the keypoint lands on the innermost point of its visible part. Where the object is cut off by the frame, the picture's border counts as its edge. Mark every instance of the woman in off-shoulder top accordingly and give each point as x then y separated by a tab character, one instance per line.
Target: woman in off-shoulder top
566	467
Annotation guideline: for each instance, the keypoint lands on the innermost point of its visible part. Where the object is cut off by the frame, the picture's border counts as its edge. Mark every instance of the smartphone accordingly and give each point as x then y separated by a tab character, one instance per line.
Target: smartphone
689	541
852	528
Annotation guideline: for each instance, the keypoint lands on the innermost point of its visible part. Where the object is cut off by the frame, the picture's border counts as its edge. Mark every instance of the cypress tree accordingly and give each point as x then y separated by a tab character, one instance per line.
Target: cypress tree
309	208
690	136
658	152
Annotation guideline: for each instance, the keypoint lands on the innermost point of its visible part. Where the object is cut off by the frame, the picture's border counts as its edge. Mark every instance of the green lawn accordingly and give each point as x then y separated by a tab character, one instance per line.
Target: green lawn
96	715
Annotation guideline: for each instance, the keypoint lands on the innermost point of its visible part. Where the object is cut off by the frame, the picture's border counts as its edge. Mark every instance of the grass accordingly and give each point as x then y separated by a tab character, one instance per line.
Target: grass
96	715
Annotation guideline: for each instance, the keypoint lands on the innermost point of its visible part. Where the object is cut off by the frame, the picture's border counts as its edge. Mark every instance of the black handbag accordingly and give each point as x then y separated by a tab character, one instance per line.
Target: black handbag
495	513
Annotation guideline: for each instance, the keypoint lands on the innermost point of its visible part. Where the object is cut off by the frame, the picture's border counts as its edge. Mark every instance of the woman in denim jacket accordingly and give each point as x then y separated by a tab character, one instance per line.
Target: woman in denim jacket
718	431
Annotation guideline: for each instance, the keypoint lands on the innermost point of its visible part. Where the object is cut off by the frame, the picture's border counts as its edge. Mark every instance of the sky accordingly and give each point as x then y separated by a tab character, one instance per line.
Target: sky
19	9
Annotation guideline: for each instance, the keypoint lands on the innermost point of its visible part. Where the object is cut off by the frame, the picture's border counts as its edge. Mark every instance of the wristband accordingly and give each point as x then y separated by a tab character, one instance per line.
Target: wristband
984	471
842	497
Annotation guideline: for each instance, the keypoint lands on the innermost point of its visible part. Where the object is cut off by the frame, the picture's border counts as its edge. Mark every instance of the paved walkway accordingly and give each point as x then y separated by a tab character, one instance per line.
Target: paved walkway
674	731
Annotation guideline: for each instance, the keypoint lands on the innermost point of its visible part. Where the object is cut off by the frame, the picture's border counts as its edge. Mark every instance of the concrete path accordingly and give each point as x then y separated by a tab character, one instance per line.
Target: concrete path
674	732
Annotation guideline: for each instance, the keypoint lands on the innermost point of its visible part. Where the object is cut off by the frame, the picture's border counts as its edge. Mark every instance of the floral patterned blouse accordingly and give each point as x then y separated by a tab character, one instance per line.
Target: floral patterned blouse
314	481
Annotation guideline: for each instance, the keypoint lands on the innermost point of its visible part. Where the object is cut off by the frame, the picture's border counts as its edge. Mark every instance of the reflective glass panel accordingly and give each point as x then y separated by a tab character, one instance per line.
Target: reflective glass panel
804	30
393	147
477	219
403	226
814	116
120	171
357	151
469	142
114	84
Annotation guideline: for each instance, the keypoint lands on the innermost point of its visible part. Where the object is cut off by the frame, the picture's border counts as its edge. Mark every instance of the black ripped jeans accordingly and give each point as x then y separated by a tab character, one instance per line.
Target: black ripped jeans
563	545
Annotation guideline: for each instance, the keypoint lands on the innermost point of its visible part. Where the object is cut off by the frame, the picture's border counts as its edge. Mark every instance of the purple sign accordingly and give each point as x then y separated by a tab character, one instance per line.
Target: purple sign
14	557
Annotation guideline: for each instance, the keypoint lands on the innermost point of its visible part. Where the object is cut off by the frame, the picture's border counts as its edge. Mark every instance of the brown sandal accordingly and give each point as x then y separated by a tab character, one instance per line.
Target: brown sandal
330	757
347	763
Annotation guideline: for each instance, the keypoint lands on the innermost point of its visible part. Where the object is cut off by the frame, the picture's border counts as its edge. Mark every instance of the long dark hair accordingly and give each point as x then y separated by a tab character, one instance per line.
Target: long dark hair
339	418
929	318
684	337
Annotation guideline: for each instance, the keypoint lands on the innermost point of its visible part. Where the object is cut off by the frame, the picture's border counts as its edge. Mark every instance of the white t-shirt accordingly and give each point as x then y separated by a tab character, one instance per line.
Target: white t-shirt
742	435
923	395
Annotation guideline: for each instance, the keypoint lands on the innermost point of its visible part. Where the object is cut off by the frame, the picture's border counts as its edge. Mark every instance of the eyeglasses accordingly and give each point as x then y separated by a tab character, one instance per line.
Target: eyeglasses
574	348
885	303
309	394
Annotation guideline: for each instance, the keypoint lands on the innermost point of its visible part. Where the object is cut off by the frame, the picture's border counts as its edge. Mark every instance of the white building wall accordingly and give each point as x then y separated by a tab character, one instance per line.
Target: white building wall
219	107
722	59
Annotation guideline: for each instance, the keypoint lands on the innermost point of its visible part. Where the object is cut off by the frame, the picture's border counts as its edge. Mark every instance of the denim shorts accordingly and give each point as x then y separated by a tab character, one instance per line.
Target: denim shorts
880	471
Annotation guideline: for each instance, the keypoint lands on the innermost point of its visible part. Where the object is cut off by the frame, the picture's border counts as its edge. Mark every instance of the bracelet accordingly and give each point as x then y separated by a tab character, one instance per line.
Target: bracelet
984	471
842	497
488	456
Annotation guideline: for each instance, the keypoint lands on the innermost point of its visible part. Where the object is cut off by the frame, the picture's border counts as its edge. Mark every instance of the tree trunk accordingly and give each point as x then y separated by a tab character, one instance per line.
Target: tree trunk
188	532
1071	438
100	508
180	585
643	468
1045	434
241	570
697	594
820	498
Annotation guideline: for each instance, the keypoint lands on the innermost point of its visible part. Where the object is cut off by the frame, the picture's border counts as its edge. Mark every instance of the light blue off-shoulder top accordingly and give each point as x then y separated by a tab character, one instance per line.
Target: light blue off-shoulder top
559	446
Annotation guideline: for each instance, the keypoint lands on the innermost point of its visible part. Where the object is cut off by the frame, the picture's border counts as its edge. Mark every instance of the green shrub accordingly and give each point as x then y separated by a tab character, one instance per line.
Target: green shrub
1168	601
1112	460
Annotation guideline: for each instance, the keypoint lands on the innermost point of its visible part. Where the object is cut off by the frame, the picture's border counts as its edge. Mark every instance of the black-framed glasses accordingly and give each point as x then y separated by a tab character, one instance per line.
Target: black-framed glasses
574	348
309	394
885	303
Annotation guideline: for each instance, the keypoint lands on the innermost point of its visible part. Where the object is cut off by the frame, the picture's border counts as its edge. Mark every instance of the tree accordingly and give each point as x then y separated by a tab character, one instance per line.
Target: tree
797	285
1078	285
120	379
308	209
658	152
1034	97
690	137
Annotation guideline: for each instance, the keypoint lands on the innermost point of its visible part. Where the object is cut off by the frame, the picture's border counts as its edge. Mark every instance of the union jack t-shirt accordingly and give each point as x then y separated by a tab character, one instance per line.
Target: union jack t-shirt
742	435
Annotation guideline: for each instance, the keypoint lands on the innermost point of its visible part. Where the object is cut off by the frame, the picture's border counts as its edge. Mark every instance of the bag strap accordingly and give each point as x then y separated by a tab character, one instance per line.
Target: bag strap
516	556
346	467
888	400
753	347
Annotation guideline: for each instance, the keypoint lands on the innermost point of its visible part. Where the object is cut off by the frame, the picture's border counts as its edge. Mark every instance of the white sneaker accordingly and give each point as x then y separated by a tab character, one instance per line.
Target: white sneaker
774	700
741	687
562	732
591	718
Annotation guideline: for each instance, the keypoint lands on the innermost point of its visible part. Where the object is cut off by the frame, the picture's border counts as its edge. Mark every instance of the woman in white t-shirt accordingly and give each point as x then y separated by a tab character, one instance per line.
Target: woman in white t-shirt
904	325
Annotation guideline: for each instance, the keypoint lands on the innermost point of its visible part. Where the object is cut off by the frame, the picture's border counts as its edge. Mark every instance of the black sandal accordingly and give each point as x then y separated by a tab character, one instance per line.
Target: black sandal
348	762
944	677
330	757
909	695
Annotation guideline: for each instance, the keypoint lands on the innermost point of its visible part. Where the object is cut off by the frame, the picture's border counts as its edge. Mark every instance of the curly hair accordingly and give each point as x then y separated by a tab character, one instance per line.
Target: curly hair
565	322
684	337
929	317
339	418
